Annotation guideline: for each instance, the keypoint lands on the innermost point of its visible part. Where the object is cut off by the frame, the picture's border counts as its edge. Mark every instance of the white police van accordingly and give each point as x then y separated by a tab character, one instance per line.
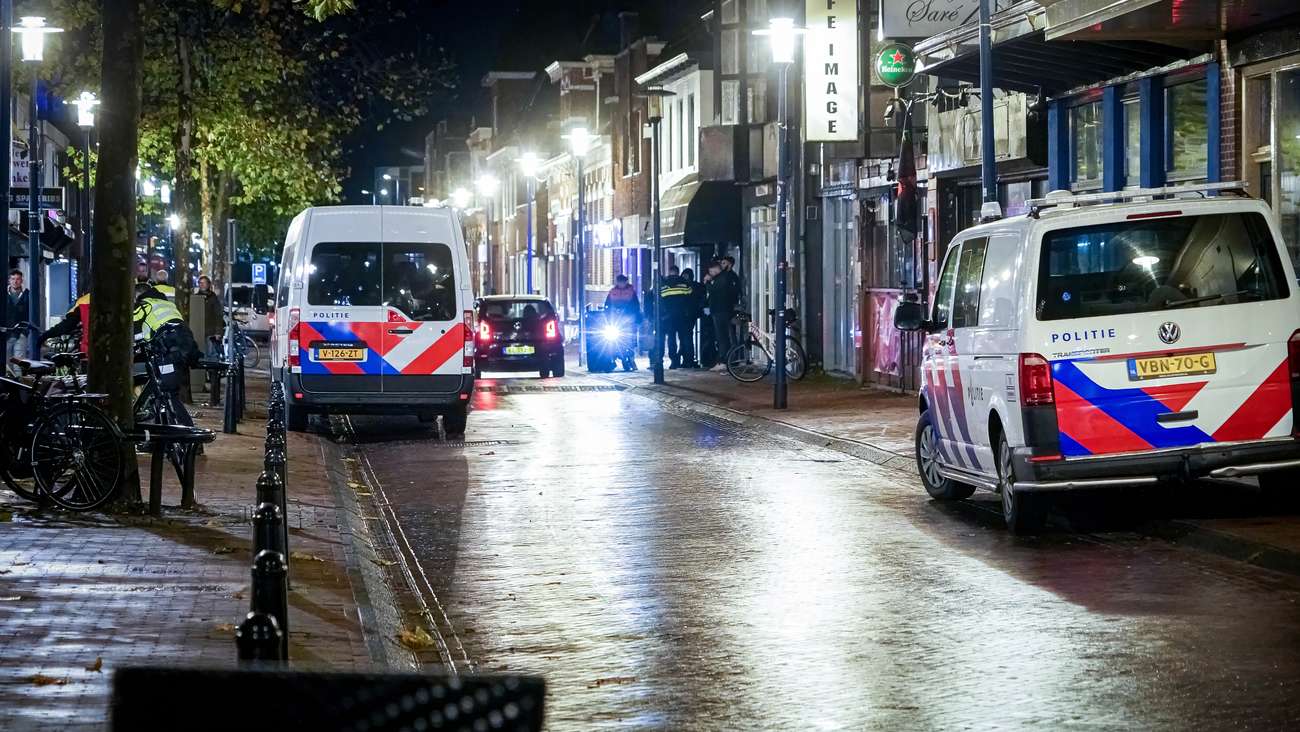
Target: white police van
1110	340
374	315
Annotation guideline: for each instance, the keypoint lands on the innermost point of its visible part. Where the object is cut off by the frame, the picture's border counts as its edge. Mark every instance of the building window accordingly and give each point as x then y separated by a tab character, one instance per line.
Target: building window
1187	131
692	139
679	151
1085	141
730	114
755	61
730	51
756	102
730	11
1132	142
634	144
755	12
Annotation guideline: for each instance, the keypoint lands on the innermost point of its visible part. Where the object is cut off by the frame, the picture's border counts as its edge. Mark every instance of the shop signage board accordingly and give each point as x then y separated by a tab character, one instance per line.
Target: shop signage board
19	174
895	64
925	18
51	198
831	71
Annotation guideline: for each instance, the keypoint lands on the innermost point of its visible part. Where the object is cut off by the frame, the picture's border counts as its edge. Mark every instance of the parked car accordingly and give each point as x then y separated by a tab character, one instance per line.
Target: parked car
519	333
375	315
1110	340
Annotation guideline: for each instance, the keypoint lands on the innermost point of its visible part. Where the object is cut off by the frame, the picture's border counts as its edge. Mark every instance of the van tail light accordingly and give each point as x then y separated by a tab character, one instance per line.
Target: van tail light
1293	368
468	353
295	316
552	330
1035	381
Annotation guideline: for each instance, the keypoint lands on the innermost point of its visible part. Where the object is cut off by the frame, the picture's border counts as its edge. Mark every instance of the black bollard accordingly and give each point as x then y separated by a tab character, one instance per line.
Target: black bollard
271	593
242	401
258	638
269	488
230	423
268	528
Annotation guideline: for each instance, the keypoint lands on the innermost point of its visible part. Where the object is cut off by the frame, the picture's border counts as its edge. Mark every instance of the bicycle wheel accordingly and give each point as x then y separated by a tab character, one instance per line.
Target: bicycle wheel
15	458
748	362
796	361
76	456
252	352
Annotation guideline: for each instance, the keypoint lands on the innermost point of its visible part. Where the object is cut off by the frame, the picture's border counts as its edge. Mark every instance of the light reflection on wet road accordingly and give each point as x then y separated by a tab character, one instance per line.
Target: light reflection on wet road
662	572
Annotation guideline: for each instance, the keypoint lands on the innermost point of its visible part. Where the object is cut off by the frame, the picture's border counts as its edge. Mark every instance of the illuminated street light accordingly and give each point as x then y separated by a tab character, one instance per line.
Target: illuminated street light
165	193
33	30
148	187
461	198
85	104
174	222
487	184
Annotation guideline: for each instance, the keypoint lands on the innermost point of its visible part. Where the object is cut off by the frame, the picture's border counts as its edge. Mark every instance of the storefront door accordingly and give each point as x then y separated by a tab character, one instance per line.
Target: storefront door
760	279
842	275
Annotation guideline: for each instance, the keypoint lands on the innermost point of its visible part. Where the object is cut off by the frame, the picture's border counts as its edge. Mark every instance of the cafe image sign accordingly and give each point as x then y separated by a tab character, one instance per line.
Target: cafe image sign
895	65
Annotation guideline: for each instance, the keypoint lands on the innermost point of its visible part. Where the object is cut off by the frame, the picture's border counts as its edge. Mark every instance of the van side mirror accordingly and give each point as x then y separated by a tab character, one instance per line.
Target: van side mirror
261	296
909	316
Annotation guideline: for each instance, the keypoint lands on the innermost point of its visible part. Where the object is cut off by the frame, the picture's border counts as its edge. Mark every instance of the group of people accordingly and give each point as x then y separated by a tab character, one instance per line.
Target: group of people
685	302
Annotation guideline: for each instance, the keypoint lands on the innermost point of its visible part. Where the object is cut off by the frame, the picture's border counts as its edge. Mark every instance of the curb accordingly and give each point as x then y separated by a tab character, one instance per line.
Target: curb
377	605
1178	532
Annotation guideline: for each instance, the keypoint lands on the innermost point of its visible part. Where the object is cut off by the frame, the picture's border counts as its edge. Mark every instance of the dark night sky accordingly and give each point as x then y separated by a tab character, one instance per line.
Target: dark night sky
514	35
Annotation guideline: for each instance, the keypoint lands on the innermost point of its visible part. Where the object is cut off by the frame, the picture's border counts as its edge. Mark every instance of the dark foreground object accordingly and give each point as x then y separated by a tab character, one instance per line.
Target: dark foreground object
223	700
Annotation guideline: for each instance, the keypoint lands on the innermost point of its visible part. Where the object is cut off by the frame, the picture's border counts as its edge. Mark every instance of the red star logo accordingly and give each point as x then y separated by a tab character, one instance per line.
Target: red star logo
897	57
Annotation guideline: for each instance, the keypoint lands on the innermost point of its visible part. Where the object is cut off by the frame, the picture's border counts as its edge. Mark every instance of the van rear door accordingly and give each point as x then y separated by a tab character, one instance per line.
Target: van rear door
341	333
1166	331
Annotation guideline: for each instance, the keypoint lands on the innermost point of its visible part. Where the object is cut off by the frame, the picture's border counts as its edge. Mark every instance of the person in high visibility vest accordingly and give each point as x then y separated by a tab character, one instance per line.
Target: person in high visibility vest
678	319
157	318
76	319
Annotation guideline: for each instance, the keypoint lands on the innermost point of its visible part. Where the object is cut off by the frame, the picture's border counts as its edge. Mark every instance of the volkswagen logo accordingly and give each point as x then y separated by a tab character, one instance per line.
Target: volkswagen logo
1169	332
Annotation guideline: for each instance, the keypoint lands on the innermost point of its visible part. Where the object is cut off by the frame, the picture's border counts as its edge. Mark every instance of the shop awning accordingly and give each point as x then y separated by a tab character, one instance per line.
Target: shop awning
1175	21
695	213
1024	60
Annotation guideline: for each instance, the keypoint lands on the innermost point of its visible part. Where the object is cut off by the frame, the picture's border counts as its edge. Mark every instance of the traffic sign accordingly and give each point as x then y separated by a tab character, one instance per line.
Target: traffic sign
259	274
51	198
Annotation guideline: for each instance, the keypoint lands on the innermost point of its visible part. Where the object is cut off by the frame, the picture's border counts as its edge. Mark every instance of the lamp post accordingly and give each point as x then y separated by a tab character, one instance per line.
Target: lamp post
487	187
783	38
397	188
85	104
655	114
32	31
580	143
529	164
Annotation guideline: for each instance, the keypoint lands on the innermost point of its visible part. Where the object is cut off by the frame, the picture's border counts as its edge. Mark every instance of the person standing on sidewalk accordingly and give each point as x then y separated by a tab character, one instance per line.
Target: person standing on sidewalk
678	318
723	297
16	303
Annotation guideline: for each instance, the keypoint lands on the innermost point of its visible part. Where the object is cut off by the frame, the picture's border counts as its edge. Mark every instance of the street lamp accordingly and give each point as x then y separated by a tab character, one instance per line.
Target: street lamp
364	192
397	188
383	192
655	114
461	198
783	38
85	104
174	222
529	164
580	143
487	185
32	31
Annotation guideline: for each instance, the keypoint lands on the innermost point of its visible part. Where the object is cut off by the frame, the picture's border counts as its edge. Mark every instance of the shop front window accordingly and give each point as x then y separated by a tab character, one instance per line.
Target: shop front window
1132	142
1287	157
1187	131
1085	141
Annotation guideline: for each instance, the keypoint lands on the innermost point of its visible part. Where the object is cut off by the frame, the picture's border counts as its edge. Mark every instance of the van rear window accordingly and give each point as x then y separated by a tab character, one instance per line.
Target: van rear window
344	273
1158	264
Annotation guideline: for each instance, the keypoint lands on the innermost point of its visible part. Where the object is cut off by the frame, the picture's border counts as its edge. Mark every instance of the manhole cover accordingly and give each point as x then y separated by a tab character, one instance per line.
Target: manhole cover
532	389
471	443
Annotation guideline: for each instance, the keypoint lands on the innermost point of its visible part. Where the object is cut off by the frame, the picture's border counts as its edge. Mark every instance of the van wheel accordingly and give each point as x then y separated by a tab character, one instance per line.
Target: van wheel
927	464
295	418
1024	512
1280	488
453	422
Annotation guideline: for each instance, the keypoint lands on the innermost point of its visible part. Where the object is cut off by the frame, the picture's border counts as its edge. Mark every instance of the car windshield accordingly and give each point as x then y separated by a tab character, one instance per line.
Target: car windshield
1158	264
516	309
241	297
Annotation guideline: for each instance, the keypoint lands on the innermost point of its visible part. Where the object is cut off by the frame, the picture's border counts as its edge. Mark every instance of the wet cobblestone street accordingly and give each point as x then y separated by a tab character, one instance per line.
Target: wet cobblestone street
668	571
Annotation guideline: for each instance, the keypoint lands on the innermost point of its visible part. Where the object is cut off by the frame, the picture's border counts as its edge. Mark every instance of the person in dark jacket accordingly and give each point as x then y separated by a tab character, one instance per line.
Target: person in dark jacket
622	301
15	312
698	300
678	319
723	297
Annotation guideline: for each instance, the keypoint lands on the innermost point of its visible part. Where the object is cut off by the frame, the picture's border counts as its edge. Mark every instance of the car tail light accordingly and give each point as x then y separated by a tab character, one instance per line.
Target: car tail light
552	330
484	331
1293	368
295	317
468	352
1035	380
270	318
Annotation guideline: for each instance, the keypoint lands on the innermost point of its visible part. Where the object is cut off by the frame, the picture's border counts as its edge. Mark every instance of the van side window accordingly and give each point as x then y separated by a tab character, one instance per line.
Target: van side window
970	277
282	284
344	273
943	295
998	289
420	281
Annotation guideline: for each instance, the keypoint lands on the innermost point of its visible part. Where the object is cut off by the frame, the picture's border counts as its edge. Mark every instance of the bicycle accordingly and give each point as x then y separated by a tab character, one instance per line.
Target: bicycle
246	348
58	445
751	359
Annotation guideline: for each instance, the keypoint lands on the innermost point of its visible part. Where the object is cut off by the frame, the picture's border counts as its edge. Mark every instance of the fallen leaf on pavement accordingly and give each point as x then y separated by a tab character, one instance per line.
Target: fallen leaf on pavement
97	666
224	550
299	556
384	562
612	680
226	627
43	680
21	564
364	493
417	638
239	595
355	485
6	516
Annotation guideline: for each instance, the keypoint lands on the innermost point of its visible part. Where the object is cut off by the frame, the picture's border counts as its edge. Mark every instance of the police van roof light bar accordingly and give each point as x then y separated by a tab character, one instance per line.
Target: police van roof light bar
1066	199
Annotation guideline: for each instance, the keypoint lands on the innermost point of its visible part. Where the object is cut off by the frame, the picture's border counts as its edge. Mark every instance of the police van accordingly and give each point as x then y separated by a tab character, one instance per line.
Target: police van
374	315
1115	339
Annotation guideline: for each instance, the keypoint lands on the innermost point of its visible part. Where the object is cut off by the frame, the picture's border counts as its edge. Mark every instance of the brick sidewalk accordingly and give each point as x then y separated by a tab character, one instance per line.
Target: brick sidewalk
134	589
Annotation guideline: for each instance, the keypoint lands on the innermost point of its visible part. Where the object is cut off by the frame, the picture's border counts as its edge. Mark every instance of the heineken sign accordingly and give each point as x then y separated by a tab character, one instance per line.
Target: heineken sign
895	65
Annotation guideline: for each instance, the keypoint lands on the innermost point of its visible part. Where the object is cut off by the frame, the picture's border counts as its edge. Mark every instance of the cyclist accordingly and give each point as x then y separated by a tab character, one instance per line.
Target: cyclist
621	301
77	319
